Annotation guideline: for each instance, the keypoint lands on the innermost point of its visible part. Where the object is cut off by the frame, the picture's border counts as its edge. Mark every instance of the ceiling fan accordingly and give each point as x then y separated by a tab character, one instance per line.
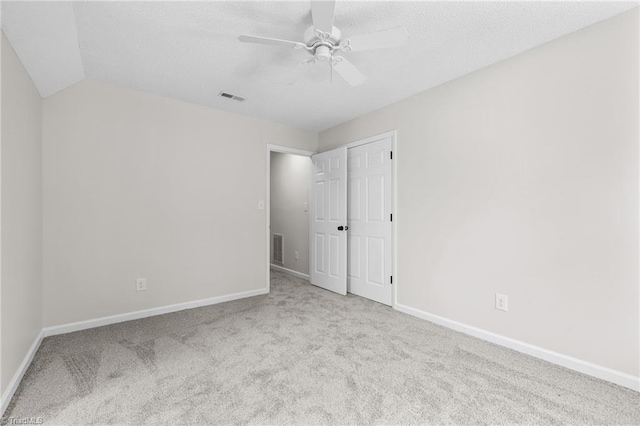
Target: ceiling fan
323	41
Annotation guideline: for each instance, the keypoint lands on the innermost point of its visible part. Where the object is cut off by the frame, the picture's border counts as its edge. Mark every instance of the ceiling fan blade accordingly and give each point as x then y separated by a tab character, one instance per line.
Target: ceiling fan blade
348	71
295	74
322	12
380	40
271	41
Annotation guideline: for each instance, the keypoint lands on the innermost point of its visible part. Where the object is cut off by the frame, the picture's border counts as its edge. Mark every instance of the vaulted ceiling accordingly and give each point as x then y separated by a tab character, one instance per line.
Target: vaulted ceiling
190	51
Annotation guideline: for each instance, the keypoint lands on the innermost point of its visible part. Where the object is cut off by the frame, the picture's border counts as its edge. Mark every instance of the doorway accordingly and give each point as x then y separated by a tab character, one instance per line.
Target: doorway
287	211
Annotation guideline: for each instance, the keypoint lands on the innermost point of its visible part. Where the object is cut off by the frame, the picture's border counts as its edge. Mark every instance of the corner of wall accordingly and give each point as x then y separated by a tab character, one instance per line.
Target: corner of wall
20	219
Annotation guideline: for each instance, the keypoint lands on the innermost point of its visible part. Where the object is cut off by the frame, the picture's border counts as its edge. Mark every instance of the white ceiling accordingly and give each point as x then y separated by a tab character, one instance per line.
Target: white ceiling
190	51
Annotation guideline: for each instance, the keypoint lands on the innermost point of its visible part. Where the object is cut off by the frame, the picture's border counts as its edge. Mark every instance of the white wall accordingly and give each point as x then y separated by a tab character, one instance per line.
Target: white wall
21	193
522	178
290	178
141	186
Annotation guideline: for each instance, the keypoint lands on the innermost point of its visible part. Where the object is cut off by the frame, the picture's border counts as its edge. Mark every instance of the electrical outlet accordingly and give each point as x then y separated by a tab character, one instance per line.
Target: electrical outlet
141	284
502	302
295	254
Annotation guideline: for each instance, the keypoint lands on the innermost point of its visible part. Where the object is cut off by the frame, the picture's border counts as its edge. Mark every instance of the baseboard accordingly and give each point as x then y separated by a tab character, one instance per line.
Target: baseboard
17	378
113	319
289	271
594	370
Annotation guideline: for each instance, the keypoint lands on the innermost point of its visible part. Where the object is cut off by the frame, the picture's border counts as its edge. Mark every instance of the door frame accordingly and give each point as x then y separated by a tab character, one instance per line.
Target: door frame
284	150
393	134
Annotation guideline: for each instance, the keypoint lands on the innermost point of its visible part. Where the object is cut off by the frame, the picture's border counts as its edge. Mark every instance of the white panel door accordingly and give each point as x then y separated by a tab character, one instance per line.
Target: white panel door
328	260
369	219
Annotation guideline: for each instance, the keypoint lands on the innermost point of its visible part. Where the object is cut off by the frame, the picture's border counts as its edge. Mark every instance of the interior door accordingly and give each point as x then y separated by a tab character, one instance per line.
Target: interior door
370	222
328	221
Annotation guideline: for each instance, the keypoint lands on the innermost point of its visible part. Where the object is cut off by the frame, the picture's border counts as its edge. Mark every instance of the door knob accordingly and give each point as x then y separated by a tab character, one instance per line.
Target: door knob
340	228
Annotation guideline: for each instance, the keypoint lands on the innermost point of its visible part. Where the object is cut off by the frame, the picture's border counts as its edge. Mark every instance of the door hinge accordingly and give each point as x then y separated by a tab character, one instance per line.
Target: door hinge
391	155
391	279
391	217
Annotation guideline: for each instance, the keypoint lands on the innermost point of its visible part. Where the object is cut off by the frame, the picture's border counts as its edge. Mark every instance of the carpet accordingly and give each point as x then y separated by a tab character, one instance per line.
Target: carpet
302	355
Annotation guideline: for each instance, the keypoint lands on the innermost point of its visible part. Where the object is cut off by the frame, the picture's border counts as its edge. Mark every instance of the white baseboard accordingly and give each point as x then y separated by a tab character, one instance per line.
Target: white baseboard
594	370
289	271
15	381
113	319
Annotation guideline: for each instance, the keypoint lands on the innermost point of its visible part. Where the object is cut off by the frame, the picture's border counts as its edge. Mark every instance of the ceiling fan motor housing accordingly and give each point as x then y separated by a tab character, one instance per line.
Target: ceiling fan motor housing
322	44
323	53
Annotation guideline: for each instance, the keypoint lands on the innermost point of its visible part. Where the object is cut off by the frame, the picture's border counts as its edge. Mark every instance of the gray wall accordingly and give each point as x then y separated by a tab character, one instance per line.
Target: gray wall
141	186
21	194
522	178
290	181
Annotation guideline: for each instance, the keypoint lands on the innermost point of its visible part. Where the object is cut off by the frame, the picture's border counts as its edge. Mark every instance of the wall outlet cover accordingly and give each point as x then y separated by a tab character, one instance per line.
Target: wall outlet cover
141	284
502	302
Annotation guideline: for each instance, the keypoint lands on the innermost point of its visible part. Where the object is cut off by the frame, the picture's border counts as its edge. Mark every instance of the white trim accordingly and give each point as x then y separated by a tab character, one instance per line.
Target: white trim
285	150
390	134
394	225
289	271
113	319
594	370
17	378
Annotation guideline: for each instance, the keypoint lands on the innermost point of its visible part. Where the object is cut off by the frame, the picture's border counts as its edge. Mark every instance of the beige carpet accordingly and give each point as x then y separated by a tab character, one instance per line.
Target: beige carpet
302	355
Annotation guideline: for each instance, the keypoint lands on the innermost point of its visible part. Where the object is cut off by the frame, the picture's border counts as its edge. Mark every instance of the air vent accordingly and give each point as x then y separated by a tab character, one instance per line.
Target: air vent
230	96
278	242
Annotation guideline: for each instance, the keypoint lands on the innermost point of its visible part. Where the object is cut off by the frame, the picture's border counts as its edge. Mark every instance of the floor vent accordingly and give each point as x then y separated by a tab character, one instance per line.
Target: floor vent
230	96
277	253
